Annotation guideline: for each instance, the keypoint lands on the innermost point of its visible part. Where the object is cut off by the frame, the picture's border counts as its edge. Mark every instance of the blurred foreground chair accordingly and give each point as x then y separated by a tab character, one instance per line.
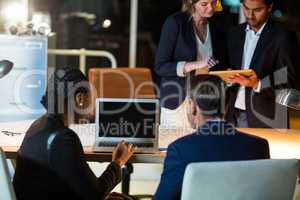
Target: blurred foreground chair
247	180
6	188
122	82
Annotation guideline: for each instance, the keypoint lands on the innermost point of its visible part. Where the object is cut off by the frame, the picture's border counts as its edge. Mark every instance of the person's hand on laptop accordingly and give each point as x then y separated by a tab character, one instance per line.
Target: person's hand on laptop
122	153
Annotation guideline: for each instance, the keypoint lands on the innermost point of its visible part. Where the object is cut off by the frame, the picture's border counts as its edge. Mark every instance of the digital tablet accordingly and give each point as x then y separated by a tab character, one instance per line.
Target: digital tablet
228	73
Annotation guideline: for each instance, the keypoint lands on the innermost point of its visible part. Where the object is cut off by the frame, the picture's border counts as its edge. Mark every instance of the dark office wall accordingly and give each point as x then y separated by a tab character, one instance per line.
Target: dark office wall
78	32
291	16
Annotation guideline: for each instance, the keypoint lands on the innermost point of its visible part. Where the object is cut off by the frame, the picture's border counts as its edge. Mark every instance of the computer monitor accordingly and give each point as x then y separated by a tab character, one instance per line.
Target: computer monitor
22	88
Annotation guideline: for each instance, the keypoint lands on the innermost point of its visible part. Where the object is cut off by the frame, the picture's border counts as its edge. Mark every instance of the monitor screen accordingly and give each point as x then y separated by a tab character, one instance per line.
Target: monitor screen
23	86
124	119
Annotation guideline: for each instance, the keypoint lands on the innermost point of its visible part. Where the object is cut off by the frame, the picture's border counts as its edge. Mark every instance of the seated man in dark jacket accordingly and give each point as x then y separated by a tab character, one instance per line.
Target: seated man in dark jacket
50	162
214	139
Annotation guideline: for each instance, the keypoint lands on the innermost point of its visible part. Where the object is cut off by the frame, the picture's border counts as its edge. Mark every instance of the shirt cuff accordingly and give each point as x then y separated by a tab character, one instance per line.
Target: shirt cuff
179	69
258	88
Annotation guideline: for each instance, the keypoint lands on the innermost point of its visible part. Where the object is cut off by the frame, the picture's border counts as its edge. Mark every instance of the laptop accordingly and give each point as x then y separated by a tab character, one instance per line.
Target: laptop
135	121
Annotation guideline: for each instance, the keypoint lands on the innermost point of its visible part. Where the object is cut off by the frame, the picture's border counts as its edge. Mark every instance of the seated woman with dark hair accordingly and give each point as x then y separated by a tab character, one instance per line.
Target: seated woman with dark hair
50	162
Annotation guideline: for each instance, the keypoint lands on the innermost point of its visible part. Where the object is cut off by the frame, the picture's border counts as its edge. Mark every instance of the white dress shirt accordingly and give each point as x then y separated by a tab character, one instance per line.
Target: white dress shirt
204	51
249	48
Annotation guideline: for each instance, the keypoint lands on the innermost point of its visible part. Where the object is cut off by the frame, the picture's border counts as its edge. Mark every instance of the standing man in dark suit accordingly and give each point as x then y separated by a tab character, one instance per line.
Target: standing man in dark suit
264	45
189	40
214	139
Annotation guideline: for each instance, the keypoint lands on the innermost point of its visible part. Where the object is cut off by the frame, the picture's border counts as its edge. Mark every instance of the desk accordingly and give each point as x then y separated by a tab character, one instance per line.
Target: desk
157	157
283	144
86	134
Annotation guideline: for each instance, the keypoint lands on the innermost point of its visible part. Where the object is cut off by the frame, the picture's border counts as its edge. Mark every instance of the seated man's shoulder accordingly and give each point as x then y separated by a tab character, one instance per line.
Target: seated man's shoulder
186	140
252	138
207	133
259	147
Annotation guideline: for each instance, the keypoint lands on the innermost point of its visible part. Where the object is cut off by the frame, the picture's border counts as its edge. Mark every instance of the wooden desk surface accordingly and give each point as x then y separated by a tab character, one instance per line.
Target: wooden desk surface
157	157
283	144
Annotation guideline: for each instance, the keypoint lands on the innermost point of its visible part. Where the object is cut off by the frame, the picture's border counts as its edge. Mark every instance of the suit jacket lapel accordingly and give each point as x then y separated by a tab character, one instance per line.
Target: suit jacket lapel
214	39
191	38
240	38
264	39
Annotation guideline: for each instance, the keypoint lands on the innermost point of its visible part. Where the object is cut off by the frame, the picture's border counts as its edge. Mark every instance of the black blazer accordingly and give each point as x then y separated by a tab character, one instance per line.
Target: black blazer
206	145
274	62
51	165
178	43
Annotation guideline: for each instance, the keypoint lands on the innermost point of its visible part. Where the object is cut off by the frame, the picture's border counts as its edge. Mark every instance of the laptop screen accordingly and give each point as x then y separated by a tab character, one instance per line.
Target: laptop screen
127	119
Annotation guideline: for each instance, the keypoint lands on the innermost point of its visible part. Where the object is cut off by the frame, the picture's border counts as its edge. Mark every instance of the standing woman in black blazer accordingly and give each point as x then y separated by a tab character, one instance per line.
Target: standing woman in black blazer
190	40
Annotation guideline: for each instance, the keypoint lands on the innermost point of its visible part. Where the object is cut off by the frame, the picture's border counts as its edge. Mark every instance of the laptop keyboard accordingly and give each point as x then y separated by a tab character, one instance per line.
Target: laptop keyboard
137	144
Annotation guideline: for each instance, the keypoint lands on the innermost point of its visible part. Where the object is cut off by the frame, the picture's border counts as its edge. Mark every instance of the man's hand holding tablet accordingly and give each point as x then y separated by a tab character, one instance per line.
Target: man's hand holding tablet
246	78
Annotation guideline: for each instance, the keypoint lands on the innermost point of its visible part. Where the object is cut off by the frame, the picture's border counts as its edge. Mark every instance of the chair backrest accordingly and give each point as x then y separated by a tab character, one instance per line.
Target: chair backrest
6	188
122	82
247	180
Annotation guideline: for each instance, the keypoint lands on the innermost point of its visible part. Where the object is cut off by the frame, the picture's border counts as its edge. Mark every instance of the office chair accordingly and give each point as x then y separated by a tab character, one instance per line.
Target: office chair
247	180
122	82
6	188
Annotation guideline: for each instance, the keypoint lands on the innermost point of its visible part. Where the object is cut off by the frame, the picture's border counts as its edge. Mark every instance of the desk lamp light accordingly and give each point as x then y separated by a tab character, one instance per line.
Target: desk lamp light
289	98
5	67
